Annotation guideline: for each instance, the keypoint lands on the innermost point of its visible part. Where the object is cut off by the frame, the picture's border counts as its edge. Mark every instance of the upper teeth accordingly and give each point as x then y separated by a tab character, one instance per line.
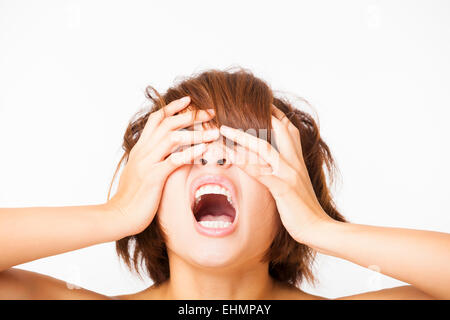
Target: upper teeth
212	188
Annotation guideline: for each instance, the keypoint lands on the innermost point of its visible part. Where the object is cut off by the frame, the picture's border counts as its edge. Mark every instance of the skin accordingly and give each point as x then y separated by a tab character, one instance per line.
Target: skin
229	267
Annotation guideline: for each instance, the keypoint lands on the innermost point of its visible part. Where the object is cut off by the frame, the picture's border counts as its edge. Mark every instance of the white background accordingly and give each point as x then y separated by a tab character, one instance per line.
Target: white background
72	73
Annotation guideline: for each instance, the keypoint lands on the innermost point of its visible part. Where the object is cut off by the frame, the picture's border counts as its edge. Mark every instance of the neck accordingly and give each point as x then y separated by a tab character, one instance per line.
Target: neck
187	281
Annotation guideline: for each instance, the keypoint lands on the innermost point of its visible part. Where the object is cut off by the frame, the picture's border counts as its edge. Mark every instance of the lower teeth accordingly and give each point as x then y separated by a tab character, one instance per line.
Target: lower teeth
215	224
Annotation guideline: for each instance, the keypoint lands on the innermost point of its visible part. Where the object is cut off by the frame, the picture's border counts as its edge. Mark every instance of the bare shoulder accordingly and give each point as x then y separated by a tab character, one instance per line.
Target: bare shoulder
284	291
407	292
17	284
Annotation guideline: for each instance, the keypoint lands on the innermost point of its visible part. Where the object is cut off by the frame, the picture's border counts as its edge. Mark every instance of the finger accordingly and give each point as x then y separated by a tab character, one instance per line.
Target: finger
282	137
156	117
259	170
182	137
179	122
291	128
180	158
178	139
248	161
255	144
186	119
280	115
242	156
284	119
284	140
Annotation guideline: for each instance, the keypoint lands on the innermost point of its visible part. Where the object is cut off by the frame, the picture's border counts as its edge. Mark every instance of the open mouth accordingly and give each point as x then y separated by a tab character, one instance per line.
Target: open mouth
213	208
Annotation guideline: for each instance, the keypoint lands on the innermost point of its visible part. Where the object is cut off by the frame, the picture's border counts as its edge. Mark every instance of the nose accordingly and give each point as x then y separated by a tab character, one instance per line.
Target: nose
215	155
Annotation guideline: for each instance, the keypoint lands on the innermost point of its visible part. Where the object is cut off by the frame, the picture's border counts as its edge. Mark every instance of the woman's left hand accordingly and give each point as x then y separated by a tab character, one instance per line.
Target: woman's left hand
283	172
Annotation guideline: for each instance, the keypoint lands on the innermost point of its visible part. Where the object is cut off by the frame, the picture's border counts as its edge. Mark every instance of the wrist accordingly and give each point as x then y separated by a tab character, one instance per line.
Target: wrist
112	220
322	234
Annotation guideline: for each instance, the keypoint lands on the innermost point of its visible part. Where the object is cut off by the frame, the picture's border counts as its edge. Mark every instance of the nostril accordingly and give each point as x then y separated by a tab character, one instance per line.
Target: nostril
219	162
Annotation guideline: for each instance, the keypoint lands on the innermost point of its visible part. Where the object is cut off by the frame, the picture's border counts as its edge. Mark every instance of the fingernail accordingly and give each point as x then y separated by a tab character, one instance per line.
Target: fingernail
210	111
184	99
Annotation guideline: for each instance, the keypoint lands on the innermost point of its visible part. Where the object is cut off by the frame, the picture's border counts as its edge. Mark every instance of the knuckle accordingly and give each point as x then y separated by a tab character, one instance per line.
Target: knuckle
185	118
156	116
171	160
166	122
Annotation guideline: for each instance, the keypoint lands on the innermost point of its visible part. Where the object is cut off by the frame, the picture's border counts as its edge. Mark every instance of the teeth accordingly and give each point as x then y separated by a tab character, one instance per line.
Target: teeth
215	224
212	188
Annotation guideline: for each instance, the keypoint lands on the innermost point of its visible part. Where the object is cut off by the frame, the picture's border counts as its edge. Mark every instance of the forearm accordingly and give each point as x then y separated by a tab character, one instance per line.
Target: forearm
420	258
28	234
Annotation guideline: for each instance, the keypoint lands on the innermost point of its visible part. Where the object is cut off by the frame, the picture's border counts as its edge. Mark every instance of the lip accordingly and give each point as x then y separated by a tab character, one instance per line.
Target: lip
224	182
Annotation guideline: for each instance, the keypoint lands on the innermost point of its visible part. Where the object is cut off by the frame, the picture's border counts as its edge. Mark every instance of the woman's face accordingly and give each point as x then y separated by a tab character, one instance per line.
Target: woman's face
246	229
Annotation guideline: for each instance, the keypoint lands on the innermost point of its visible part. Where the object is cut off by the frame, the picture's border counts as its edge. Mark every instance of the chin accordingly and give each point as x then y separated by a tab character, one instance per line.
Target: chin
212	258
202	251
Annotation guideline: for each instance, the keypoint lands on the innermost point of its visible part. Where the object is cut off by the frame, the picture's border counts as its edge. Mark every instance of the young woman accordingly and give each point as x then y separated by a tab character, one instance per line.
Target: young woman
210	219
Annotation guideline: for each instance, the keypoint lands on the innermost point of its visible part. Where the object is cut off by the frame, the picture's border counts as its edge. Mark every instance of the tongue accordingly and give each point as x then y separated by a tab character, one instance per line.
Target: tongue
216	217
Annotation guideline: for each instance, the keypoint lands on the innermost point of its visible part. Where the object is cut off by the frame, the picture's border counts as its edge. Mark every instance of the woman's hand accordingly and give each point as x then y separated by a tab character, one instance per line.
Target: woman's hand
151	161
284	173
417	257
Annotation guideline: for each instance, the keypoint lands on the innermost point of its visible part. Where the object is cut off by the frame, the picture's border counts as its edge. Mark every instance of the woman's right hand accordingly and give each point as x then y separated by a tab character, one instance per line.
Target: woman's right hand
152	160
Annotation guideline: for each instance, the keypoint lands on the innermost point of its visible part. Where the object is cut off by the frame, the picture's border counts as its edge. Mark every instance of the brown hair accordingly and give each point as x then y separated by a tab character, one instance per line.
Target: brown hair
243	101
